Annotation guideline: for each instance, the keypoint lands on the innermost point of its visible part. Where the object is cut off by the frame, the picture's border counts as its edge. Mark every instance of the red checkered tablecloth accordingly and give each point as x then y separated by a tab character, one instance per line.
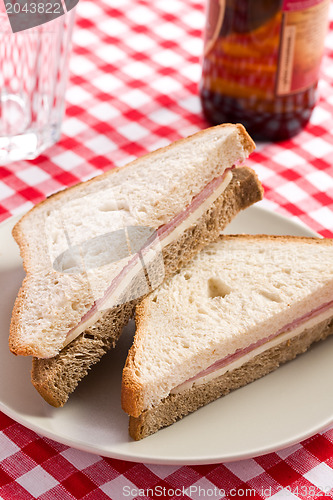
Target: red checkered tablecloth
133	88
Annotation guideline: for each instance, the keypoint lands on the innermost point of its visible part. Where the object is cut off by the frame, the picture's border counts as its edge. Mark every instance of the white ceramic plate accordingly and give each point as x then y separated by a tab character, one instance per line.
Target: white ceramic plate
278	410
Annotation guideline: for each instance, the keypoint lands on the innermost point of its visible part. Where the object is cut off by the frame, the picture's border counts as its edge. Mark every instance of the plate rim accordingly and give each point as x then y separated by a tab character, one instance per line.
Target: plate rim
81	446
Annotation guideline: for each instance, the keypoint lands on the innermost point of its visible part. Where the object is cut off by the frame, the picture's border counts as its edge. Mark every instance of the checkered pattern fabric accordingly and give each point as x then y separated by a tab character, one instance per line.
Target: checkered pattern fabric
133	88
34	467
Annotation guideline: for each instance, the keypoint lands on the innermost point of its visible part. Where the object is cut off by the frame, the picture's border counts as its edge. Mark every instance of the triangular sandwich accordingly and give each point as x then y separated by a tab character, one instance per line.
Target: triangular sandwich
242	307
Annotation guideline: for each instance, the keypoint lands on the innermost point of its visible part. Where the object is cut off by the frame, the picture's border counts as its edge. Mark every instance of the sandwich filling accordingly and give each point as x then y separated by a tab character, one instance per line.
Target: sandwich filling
242	356
151	252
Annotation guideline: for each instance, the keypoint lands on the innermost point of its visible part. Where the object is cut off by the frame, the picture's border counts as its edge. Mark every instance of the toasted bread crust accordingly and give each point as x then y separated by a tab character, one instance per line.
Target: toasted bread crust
48	375
14	335
177	406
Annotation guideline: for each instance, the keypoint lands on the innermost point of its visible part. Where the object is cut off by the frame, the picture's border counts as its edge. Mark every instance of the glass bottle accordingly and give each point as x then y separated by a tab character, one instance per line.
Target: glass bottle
261	63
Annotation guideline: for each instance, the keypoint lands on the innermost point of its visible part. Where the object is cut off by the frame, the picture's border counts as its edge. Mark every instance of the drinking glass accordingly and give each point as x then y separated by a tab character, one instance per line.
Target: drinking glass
33	77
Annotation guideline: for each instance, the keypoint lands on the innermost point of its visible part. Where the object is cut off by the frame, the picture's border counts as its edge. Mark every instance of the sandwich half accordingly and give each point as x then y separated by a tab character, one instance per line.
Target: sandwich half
91	251
242	307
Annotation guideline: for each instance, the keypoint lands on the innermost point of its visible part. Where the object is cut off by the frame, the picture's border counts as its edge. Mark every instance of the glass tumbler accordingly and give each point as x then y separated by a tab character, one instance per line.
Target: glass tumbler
33	77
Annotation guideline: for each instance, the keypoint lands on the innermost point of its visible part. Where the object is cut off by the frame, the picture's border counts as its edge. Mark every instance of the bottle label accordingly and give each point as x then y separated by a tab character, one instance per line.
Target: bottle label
295	5
304	27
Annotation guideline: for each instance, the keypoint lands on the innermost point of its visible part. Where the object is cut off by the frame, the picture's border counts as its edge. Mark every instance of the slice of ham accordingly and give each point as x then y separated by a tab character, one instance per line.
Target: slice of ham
221	363
200	198
152	242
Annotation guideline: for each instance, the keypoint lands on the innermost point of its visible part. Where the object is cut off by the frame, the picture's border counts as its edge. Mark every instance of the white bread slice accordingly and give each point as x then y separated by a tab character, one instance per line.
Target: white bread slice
148	192
237	291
